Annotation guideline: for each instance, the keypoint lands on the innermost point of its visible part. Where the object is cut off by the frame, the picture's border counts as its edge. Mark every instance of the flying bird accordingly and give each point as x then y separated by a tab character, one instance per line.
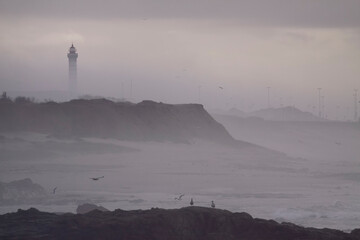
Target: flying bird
221	88
54	190
179	198
96	178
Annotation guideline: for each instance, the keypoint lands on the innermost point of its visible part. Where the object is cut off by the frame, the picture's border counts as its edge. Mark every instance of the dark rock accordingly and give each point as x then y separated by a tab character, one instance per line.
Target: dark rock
21	191
356	233
192	223
88	207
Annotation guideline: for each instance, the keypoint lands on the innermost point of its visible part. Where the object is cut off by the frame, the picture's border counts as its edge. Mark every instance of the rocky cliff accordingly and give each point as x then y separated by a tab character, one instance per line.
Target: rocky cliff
190	223
144	121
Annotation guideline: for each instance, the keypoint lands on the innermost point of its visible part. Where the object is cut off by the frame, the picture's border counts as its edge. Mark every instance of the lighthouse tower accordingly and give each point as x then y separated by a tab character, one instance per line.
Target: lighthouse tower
72	55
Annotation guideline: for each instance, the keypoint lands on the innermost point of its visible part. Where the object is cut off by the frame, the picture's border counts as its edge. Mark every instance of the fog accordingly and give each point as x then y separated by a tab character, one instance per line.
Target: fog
180	52
233	57
315	184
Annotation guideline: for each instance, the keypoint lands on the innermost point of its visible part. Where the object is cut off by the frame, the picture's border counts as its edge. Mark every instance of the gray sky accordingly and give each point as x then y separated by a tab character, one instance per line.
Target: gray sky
181	51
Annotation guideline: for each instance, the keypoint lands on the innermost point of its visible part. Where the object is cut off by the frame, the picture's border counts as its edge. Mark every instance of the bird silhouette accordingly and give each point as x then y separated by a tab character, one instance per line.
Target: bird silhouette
179	198
191	202
54	190
96	178
212	204
221	88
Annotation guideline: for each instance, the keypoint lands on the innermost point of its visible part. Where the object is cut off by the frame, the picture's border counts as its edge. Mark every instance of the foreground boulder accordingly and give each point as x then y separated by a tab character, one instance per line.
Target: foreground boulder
192	223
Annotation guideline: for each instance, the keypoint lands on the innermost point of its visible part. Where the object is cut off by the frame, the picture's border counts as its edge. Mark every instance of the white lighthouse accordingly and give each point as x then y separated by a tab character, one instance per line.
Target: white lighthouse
72	55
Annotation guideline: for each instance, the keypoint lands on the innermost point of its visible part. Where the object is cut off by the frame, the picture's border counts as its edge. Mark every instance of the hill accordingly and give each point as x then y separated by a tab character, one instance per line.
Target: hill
285	114
315	140
274	114
185	223
145	121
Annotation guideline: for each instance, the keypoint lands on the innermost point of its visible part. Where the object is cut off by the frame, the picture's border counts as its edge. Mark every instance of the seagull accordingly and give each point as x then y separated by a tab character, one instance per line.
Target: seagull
54	190
212	204
191	202
221	88
96	178
179	198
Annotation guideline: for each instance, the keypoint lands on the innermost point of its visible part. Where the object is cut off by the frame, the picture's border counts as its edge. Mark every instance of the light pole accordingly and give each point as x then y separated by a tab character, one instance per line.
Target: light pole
355	105
319	89
323	106
268	97
131	89
199	91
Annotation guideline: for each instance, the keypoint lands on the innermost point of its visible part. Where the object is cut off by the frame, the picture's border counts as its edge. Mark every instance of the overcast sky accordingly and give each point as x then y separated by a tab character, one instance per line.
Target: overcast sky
181	51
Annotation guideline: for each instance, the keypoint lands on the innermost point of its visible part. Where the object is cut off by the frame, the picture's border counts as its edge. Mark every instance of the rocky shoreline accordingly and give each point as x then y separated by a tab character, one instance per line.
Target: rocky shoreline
185	223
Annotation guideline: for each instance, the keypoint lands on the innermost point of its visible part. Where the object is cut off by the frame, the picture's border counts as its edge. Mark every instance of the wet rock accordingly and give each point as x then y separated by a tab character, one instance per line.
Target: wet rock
356	233
191	223
88	207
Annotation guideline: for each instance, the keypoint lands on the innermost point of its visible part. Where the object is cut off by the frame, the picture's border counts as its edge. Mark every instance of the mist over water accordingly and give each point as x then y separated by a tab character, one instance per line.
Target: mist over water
314	184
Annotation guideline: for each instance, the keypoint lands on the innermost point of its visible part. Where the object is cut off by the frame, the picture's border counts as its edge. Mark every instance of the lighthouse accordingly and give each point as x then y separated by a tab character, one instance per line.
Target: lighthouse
72	55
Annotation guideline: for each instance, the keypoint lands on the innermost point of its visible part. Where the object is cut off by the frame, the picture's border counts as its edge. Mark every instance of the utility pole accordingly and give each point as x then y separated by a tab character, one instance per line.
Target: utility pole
131	89
355	105
122	90
323	106
319	89
268	97
199	91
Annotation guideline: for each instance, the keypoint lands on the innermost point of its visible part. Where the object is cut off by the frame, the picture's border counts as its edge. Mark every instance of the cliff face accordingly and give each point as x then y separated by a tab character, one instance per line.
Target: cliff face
191	223
144	121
